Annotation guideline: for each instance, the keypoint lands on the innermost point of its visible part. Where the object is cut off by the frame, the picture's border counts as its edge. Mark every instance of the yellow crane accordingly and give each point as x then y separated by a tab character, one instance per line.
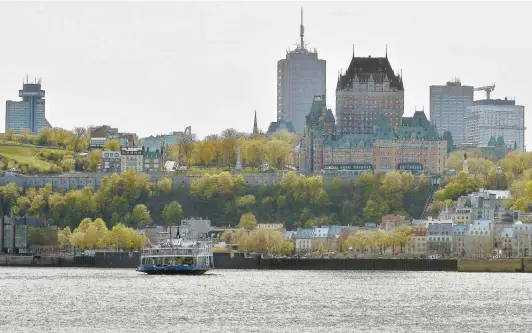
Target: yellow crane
487	89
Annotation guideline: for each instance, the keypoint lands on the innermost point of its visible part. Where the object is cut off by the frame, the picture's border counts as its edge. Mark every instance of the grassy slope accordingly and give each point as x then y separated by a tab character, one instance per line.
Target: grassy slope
26	155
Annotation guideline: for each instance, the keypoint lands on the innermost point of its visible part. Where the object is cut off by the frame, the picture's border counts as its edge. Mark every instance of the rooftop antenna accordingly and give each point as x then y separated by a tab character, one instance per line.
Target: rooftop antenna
353	50
386	54
302	30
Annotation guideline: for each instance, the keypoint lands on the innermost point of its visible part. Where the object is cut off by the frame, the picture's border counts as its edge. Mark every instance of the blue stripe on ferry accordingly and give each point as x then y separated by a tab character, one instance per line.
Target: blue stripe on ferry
172	268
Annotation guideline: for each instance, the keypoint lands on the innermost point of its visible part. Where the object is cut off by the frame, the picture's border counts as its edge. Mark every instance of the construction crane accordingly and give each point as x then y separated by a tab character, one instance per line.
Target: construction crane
487	89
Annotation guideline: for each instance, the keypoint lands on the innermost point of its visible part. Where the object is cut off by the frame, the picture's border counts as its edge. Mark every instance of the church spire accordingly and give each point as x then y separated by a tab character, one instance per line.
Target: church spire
255	128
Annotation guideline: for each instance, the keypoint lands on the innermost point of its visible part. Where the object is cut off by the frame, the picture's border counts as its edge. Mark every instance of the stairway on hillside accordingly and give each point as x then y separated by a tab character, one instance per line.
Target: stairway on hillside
429	201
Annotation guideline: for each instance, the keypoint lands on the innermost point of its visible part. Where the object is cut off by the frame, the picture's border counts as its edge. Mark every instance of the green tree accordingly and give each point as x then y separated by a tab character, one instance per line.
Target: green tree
172	213
141	215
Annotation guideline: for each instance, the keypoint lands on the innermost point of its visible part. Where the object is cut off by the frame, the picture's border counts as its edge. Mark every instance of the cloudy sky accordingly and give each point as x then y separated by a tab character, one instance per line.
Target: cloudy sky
154	68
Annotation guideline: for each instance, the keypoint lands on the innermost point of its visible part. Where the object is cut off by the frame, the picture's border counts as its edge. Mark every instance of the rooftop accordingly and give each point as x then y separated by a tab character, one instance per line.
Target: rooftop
505	101
365	67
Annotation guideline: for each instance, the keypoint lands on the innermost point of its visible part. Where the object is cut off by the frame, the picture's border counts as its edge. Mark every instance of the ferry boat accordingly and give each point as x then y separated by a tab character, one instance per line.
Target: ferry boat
181	257
189	253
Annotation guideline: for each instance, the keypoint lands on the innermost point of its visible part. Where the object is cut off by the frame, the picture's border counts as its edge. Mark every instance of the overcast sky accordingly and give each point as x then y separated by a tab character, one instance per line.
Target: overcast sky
153	68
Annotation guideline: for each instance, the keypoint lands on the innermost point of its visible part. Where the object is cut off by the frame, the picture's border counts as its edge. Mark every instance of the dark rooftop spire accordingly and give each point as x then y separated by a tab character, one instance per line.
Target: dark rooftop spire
255	128
386	54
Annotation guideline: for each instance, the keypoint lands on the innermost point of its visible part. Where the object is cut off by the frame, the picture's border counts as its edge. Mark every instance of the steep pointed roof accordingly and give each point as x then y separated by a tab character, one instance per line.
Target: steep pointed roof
500	141
329	117
316	108
492	142
365	68
417	127
255	128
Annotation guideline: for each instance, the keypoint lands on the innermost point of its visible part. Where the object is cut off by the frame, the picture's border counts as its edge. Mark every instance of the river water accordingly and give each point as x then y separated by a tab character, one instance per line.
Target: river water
121	300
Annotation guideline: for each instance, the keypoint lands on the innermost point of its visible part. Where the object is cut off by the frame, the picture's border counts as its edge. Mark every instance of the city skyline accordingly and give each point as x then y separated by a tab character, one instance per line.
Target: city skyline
130	76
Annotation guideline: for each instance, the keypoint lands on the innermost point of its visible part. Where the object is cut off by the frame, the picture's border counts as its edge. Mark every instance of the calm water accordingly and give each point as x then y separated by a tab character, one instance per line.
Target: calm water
107	300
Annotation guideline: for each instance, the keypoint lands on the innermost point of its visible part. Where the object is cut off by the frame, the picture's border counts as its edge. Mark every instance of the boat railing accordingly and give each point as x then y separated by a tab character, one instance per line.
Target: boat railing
175	251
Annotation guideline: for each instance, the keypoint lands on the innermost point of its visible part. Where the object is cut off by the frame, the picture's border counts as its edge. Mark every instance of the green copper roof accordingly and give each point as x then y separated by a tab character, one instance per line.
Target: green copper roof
383	129
351	141
417	127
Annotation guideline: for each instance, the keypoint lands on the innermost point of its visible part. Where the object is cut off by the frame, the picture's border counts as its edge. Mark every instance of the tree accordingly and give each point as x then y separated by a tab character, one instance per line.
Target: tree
63	238
113	145
375	209
67	163
141	215
172	213
248	221
186	147
95	159
80	139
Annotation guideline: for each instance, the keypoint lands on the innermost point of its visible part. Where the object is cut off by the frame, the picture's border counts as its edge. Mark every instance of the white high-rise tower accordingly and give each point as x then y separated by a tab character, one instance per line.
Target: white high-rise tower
300	77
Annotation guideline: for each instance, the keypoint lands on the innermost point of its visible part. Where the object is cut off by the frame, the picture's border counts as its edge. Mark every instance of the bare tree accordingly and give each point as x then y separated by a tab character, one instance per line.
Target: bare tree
186	147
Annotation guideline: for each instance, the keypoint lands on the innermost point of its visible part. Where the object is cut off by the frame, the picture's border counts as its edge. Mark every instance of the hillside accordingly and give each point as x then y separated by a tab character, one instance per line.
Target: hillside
32	159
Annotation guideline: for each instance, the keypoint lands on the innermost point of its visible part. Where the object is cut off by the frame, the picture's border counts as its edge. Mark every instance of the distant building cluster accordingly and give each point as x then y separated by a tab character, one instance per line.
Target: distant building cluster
478	226
146	155
370	92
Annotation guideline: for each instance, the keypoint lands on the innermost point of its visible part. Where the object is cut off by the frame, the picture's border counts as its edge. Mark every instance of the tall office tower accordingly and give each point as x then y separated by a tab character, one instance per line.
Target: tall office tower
300	77
448	106
28	113
368	88
496	118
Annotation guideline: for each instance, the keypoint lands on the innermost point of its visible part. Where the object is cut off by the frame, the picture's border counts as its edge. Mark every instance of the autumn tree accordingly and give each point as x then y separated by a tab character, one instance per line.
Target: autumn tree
113	145
248	221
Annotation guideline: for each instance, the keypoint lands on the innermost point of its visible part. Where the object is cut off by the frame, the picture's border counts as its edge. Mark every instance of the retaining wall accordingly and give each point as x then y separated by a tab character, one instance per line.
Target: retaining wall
238	261
490	265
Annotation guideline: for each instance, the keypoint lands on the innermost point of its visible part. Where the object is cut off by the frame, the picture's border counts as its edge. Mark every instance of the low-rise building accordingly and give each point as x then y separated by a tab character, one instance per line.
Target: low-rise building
460	233
111	161
320	240
439	237
131	158
419	241
270	226
480	240
391	221
304	240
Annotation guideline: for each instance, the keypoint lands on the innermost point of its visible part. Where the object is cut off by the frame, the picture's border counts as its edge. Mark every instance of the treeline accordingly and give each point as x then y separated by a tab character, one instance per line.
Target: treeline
76	140
132	199
221	151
